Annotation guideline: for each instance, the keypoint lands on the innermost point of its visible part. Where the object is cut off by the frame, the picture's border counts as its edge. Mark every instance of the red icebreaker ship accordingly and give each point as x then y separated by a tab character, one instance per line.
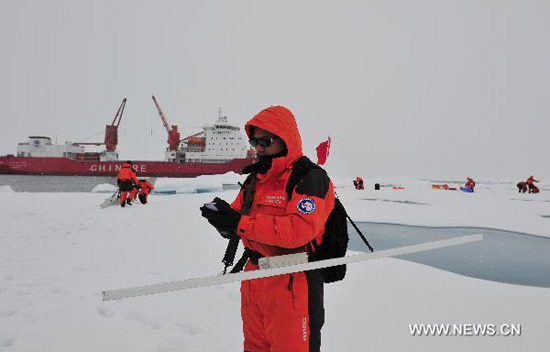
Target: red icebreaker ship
218	149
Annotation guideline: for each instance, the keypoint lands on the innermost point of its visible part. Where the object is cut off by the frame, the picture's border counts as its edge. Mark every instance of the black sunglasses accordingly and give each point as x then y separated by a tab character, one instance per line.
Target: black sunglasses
263	142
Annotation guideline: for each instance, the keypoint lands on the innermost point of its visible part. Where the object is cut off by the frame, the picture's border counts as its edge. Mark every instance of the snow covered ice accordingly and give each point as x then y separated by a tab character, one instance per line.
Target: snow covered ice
104	188
58	251
5	189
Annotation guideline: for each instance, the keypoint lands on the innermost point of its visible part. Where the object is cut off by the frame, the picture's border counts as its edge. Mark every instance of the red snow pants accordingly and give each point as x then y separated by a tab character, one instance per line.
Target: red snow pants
125	187
283	313
133	194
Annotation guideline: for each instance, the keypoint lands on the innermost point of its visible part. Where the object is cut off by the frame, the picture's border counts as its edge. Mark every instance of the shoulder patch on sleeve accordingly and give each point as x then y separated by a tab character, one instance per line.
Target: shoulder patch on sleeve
315	183
306	206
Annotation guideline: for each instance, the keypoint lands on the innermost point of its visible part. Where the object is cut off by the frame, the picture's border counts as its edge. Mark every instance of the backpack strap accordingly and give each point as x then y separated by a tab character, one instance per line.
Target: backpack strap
247	254
231	250
300	168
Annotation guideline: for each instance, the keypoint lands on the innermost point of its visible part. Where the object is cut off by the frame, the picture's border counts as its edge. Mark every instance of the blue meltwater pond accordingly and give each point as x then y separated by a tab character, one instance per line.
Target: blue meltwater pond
503	256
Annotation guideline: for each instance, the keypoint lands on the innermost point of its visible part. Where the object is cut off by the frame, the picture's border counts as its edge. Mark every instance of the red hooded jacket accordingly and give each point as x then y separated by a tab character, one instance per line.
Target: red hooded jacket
531	180
126	173
275	225
146	187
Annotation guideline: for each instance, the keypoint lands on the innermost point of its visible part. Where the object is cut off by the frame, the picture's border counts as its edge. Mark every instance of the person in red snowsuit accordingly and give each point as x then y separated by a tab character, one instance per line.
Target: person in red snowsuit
284	312
126	180
470	183
358	182
145	188
133	194
531	185
522	186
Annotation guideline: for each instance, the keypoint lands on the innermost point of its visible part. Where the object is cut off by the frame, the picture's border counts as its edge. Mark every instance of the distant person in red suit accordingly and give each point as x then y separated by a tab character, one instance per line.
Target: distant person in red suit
126	180
522	187
470	183
531	185
358	183
145	188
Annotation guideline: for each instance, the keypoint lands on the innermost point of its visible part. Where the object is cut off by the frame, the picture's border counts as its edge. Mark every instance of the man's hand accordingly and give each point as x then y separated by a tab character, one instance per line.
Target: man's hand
225	220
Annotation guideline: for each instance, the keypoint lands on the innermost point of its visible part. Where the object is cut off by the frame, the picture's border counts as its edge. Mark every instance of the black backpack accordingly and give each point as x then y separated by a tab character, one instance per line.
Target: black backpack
335	238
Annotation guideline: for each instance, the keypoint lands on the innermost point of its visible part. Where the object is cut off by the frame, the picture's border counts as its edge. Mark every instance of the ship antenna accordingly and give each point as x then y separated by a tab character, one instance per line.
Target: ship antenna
221	118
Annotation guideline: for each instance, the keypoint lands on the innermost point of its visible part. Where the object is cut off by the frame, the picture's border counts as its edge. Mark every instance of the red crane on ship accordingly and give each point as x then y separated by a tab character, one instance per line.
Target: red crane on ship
173	134
111	131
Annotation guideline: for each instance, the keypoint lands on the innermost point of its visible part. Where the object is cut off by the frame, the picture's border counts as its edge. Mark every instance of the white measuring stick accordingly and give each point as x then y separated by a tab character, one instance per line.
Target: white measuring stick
256	274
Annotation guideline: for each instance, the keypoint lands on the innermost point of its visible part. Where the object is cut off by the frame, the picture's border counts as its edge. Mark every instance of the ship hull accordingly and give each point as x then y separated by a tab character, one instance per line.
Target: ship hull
67	167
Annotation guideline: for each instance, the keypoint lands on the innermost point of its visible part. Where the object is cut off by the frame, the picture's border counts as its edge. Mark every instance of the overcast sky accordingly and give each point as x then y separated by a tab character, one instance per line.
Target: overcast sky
403	87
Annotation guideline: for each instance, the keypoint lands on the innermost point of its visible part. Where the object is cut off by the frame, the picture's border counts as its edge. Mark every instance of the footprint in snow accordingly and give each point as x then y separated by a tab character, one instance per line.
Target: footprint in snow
190	328
7	341
105	312
144	319
59	291
9	312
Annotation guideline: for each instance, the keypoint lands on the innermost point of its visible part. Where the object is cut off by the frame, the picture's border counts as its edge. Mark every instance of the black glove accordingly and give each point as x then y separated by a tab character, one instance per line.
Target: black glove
225	220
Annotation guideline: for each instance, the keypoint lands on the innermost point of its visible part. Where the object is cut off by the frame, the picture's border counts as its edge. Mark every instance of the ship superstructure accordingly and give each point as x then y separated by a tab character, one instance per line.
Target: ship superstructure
42	147
217	143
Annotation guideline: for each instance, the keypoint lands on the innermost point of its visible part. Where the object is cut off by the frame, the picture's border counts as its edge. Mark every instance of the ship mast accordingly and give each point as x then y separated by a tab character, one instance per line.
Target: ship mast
221	118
